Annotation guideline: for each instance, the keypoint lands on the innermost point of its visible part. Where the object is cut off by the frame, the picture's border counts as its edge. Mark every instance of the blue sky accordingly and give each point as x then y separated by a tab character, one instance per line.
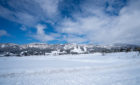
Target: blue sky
70	21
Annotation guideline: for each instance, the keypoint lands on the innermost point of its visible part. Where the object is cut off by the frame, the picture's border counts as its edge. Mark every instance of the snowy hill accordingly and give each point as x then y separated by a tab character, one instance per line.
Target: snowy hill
9	49
35	45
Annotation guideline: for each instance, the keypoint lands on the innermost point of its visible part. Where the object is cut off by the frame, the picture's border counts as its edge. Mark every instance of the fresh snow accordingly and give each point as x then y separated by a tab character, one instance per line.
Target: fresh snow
85	69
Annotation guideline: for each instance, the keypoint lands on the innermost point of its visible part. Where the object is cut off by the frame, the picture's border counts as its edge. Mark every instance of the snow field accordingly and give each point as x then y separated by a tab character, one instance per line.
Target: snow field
86	69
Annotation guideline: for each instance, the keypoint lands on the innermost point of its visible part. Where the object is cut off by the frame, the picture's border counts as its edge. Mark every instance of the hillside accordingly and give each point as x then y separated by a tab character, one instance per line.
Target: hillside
10	49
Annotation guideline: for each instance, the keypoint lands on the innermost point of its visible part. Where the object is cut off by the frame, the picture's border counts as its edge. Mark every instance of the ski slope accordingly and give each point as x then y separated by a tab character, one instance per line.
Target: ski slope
86	69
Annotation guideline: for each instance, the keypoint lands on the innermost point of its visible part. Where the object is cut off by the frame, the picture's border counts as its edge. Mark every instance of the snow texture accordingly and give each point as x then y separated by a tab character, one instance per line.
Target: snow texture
86	69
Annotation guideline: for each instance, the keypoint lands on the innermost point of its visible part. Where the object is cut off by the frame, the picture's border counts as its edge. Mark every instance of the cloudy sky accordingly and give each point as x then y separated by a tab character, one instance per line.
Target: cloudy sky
70	21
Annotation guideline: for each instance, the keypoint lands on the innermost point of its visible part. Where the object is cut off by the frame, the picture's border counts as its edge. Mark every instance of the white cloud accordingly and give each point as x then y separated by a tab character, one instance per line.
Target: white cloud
23	28
41	35
99	27
74	39
30	12
19	17
50	7
3	33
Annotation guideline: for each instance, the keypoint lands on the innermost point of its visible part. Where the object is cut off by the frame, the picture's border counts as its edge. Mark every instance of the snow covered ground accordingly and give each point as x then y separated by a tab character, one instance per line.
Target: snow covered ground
86	69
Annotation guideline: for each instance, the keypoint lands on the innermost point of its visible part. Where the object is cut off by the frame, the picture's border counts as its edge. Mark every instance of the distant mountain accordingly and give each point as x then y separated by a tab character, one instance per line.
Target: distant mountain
11	49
